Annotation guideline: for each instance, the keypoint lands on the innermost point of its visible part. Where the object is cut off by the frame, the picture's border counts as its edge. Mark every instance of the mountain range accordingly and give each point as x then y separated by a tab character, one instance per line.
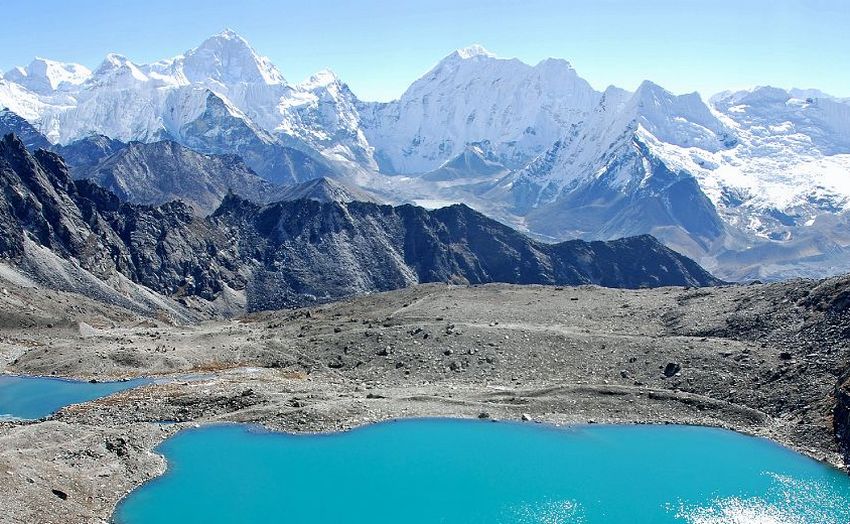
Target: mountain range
752	184
315	245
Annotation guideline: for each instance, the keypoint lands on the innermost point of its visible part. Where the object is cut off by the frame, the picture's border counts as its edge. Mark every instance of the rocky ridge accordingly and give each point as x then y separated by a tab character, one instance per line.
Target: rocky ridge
246	255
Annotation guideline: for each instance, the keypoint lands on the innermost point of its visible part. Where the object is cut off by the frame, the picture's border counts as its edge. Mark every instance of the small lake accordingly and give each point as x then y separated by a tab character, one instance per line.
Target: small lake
468	472
36	397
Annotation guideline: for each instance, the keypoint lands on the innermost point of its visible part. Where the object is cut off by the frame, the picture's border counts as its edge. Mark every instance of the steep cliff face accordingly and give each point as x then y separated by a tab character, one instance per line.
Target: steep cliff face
334	249
54	233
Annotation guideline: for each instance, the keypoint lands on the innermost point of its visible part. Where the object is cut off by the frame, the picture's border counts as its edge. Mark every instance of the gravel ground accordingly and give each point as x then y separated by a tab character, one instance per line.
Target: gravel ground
769	360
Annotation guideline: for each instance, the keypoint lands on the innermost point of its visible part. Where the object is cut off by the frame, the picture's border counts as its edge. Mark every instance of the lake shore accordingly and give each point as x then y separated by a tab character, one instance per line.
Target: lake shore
765	360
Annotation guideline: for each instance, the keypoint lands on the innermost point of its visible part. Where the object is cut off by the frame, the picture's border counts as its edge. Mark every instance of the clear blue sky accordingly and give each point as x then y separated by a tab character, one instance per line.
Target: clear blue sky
379	47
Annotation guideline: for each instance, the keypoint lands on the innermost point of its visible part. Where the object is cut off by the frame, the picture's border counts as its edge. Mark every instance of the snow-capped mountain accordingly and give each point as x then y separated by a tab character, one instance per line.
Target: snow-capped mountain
324	113
473	96
46	76
754	184
755	170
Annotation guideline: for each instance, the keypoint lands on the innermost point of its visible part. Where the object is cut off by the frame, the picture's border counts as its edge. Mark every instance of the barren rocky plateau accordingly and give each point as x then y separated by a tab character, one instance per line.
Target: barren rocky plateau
765	359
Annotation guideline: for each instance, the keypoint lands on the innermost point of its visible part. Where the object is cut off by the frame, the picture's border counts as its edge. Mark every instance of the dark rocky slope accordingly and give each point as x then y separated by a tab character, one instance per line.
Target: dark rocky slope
841	416
83	155
159	172
289	253
11	122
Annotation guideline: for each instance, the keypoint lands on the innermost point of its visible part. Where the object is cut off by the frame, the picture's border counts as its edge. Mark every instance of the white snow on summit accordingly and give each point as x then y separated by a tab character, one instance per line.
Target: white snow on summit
226	59
473	51
471	96
44	76
508	137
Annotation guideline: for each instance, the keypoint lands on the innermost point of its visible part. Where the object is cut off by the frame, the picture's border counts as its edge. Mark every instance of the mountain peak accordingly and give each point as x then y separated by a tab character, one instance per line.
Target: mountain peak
11	144
11	122
322	78
117	69
473	51
755	95
113	61
648	87
227	38
44	76
228	58
229	34
555	63
682	120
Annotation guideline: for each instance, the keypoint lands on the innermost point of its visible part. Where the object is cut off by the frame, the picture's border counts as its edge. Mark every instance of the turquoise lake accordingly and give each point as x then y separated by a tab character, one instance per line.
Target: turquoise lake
466	472
37	397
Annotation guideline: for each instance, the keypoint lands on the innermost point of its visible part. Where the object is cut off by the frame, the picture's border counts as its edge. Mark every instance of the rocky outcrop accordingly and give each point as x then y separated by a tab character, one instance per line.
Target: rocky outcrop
292	252
841	417
84	154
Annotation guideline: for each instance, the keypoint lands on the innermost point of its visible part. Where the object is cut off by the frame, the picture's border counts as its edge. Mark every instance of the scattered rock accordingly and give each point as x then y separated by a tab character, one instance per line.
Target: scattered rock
672	368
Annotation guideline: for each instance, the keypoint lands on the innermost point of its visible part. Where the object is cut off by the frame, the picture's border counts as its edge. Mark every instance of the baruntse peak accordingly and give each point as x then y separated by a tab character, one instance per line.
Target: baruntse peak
808	92
755	95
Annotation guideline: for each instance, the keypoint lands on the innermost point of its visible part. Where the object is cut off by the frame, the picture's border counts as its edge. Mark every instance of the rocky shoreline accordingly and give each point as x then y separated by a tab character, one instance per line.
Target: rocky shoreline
767	360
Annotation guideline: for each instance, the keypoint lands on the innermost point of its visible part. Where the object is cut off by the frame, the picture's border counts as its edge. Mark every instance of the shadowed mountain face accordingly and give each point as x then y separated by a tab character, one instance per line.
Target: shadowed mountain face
29	135
156	173
293	252
84	154
160	172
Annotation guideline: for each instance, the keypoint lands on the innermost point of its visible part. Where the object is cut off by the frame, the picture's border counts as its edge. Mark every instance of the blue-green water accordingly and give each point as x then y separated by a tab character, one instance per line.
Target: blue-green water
36	397
468	472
